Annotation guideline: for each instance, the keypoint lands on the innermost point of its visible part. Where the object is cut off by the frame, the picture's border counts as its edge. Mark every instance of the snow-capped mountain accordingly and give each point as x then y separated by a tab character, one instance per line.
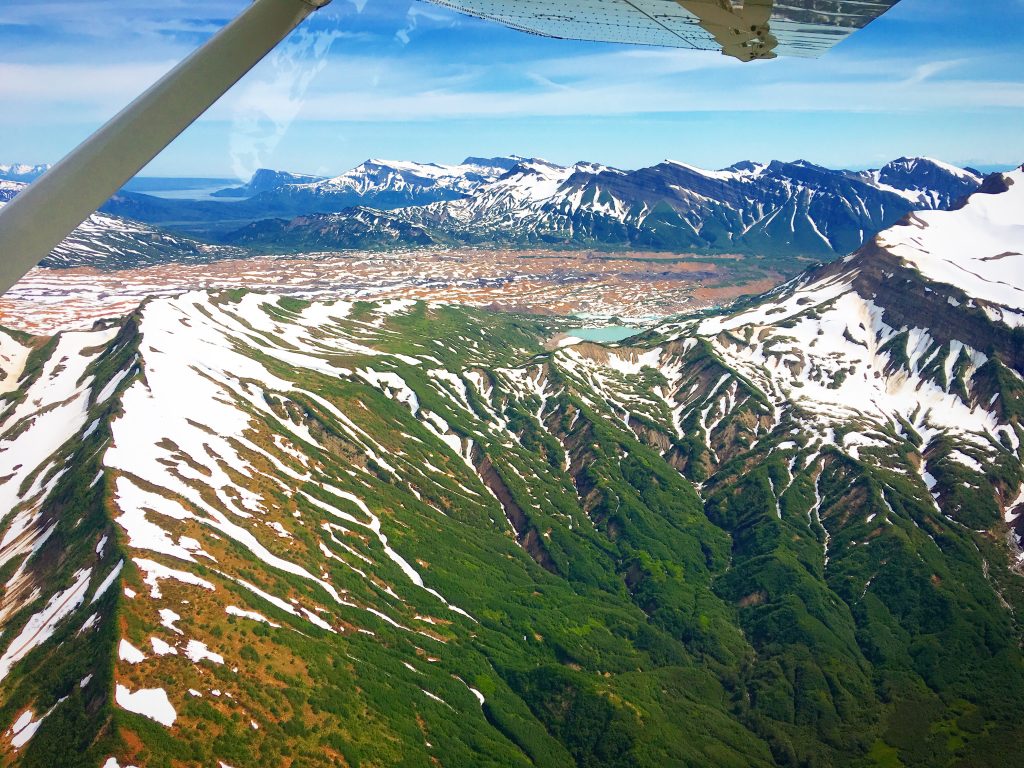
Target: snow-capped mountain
21	172
511	200
243	529
767	209
375	177
915	337
978	253
8	189
925	182
391	184
111	242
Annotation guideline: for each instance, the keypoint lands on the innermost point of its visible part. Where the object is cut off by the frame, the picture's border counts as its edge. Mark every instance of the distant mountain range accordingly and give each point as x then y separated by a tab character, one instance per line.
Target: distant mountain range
783	210
382	184
254	530
771	209
21	171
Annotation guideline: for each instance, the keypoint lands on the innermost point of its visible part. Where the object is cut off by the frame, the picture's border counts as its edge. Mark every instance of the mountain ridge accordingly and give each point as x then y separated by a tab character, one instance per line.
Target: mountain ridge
264	180
774	208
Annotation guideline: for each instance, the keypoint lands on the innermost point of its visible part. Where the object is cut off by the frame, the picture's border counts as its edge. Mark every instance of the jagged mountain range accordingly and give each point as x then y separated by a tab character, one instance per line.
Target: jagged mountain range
252	530
391	184
378	183
778	210
21	172
768	209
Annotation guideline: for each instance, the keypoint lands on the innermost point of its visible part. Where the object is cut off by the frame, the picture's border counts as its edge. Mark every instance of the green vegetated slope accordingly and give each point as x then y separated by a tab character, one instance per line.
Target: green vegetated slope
628	556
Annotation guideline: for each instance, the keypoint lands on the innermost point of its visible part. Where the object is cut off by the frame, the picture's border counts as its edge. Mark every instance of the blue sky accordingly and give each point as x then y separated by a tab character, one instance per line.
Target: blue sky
407	79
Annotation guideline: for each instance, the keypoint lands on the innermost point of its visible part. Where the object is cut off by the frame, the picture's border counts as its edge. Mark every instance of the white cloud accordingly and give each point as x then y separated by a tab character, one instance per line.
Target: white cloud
94	89
622	83
417	12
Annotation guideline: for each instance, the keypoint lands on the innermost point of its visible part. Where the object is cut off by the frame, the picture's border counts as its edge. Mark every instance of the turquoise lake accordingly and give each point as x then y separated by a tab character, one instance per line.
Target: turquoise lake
607	333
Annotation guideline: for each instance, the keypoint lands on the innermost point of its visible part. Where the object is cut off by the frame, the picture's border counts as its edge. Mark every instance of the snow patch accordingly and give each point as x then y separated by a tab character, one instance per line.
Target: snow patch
148	702
128	652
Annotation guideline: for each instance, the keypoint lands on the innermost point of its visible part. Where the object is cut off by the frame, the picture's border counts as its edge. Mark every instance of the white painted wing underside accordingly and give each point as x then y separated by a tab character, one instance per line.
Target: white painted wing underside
804	28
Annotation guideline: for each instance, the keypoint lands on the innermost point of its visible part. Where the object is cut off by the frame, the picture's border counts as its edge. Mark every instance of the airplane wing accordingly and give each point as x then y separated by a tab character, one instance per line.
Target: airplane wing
744	29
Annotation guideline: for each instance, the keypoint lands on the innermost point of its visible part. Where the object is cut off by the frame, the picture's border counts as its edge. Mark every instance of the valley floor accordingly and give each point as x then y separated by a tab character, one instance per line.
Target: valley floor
640	287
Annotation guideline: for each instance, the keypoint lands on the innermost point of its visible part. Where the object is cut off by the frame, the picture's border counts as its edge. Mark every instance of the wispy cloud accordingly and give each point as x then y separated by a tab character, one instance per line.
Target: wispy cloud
269	103
930	69
624	83
418	15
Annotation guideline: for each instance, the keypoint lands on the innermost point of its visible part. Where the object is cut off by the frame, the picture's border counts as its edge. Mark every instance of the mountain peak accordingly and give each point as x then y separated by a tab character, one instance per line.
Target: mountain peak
726	174
916	163
536	164
924	181
266	180
401	166
746	166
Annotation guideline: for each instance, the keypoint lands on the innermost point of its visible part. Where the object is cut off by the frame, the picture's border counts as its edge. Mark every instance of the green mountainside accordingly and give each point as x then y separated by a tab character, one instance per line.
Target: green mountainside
250	530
